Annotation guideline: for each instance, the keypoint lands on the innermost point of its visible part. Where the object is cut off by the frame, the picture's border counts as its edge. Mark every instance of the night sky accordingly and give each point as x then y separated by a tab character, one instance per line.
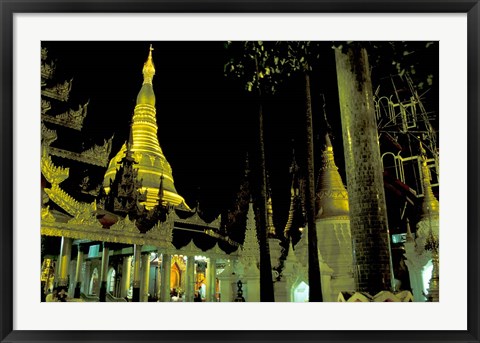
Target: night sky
206	121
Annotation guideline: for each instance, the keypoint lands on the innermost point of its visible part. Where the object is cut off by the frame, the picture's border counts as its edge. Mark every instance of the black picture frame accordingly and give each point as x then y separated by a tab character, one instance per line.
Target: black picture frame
10	7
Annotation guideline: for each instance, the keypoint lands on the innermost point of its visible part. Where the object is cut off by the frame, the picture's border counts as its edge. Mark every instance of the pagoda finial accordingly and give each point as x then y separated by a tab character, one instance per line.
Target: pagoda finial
328	143
149	68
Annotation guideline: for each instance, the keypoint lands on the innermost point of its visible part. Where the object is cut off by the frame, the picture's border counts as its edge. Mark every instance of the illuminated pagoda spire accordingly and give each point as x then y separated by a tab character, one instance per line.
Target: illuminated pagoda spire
270	226
250	253
333	228
151	162
274	242
296	212
430	205
125	190
332	197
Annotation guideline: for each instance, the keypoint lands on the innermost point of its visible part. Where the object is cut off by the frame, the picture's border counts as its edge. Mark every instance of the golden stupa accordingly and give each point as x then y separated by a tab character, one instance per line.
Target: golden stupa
150	160
332	197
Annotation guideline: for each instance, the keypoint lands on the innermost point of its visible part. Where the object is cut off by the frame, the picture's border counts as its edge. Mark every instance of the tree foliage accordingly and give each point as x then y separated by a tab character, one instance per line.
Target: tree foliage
263	66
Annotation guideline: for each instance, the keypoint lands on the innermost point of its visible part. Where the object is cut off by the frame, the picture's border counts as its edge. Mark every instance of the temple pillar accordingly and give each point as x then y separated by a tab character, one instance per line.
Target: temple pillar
137	249
251	288
285	287
211	280
158	272
226	283
251	282
326	277
104	273
190	279
145	277
126	270
64	263
166	269
82	250
363	164
85	277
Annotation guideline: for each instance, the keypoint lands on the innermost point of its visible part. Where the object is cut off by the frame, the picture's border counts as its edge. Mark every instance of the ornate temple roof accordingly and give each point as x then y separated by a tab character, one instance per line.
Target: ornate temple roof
150	160
332	197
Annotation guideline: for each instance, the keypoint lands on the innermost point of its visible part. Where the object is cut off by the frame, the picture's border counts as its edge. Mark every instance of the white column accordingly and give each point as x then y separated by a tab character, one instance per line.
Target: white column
159	279
64	262
126	270
165	285
189	279
145	277
136	273
211	279
85	277
227	293
104	273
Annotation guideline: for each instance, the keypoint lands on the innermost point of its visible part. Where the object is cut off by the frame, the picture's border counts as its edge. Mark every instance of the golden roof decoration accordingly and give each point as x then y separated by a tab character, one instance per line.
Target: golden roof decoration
59	92
332	196
44	53
125	225
47	70
216	251
72	118
196	220
162	231
48	136
46	106
86	218
51	172
227	239
190	249
65	201
46	215
97	155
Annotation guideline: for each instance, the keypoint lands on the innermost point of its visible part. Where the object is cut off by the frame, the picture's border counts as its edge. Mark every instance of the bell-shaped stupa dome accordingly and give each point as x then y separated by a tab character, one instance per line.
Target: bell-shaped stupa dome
332	197
153	168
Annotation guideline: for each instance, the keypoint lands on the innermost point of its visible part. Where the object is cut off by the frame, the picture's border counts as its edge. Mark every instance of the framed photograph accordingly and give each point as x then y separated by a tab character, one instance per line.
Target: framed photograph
186	150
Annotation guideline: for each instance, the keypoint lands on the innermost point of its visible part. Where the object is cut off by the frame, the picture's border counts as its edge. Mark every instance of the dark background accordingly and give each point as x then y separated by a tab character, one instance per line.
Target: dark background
206	121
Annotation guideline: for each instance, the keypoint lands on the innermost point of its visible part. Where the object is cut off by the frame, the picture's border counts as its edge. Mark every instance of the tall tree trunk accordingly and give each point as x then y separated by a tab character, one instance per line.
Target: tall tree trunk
368	213
266	283
266	280
314	279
